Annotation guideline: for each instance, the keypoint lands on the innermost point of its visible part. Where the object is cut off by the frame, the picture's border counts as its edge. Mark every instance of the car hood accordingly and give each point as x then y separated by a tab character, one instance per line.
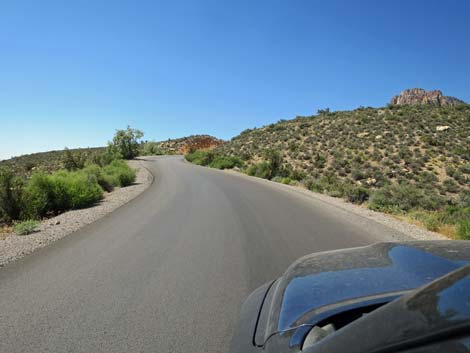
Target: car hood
320	284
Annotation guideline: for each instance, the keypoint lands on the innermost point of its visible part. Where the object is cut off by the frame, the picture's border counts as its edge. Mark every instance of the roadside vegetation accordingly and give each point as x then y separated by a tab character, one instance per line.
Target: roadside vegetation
26	227
411	161
72	179
209	159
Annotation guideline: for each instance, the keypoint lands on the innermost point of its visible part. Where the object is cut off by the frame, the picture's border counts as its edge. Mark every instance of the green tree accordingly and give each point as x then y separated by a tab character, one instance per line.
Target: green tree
126	142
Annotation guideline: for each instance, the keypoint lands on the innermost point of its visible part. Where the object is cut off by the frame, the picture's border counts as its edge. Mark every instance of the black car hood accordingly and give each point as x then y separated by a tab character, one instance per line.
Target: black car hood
434	316
319	284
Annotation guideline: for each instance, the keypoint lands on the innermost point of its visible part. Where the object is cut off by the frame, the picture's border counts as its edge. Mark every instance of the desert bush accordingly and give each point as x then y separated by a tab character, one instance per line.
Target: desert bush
432	223
327	184
283	180
200	157
464	198
26	227
119	173
74	160
356	194
151	149
105	180
450	185
229	162
404	197
81	188
11	190
39	196
319	161
260	170
463	229
52	194
274	160
105	157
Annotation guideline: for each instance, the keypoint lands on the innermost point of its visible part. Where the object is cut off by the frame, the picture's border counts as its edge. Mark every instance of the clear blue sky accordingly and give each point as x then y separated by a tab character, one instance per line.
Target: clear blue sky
71	72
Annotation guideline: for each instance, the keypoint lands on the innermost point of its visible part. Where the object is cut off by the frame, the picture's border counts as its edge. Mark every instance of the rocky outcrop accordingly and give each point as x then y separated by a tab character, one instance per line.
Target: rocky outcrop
420	96
199	142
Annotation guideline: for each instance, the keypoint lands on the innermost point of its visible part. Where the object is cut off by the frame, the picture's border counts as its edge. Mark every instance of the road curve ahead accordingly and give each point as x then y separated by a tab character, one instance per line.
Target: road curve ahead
168	271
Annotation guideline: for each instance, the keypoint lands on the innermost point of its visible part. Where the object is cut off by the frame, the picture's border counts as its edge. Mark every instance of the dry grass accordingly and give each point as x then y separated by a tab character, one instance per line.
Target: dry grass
5	232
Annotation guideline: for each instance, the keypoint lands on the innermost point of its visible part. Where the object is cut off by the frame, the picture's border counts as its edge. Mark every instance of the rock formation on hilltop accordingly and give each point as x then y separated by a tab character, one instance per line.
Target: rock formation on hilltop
420	96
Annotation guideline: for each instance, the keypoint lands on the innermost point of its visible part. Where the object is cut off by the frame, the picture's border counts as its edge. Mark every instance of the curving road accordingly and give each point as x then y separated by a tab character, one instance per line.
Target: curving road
168	271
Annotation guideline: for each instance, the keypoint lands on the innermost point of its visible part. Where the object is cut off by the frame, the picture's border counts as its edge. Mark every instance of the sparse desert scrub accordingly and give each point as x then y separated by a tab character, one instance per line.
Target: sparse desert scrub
208	158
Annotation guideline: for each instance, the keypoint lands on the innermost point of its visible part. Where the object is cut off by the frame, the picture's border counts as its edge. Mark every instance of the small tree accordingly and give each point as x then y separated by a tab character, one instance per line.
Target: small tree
73	161
126	142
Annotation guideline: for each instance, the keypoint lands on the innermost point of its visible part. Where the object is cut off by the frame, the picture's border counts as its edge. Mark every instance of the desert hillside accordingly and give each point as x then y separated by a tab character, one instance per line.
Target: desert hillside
426	145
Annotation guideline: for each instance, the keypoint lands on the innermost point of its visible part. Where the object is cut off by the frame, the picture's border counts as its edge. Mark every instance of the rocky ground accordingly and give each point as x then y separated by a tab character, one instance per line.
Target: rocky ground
13	247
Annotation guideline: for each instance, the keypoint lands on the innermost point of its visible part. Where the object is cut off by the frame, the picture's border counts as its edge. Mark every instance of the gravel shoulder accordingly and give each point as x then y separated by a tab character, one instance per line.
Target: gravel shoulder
13	247
410	231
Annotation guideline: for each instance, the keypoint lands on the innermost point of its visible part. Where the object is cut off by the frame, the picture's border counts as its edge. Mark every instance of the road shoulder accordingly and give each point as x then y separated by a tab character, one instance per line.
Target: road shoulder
411	231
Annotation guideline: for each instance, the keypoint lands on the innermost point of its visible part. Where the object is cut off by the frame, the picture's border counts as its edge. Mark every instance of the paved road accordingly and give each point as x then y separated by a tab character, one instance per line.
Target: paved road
168	271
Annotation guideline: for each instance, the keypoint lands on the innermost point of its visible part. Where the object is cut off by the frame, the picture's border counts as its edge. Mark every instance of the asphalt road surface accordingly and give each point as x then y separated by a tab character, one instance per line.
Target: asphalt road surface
169	271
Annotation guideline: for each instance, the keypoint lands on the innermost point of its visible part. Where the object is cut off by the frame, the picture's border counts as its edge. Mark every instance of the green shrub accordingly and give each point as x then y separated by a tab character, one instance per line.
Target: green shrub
39	196
450	185
200	157
463	229
274	160
119	173
226	162
404	197
151	149
105	157
335	192
26	227
357	194
283	180
106	181
11	190
464	198
78	189
295	174
432	223
52	194
73	160
260	170
313	185
286	181
60	196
